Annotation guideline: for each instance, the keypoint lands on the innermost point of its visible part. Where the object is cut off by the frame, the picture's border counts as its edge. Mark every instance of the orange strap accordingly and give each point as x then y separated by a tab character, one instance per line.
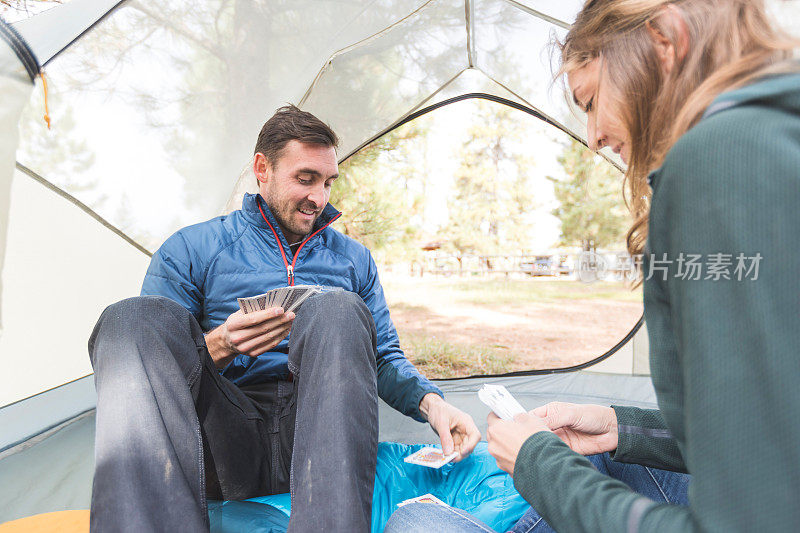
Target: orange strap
46	110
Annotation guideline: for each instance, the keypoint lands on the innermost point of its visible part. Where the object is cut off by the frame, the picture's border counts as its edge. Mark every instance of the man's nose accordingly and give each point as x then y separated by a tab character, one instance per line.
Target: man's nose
317	195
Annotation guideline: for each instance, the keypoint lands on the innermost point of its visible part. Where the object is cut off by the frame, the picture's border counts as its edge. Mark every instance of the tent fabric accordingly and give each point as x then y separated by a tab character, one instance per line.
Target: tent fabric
66	268
214	74
15	86
53	30
475	484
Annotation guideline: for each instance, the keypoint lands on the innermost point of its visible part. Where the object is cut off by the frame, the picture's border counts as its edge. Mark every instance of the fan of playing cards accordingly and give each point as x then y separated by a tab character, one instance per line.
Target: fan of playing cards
288	298
500	401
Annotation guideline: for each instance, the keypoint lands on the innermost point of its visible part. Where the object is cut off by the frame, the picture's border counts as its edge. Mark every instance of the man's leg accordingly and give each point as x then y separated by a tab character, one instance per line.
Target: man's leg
332	355
432	518
169	428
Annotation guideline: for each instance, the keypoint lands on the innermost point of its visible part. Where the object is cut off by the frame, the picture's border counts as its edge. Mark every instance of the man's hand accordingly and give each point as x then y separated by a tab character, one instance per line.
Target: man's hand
250	334
506	437
455	428
587	429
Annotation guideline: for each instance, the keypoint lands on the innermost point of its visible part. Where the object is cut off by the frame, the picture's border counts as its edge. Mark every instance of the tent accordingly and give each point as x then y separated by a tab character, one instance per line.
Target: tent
155	109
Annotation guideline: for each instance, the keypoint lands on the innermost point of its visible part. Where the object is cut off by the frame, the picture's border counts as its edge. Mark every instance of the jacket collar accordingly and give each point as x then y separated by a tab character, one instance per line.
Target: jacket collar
251	212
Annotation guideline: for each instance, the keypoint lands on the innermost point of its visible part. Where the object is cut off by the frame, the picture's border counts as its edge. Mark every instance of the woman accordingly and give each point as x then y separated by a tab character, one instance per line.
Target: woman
702	100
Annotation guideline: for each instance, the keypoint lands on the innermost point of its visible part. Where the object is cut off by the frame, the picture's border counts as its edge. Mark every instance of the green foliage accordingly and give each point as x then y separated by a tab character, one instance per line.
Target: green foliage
591	207
380	192
487	210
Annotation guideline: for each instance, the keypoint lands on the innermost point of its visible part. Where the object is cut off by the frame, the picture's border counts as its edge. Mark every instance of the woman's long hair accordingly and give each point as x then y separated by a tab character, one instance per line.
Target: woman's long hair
731	42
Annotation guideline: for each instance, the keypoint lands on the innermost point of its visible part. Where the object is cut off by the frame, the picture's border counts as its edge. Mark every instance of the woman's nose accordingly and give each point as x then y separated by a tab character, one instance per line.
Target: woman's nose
596	138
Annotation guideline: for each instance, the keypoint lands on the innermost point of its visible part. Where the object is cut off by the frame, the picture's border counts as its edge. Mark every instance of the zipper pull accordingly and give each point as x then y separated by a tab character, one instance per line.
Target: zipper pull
290	274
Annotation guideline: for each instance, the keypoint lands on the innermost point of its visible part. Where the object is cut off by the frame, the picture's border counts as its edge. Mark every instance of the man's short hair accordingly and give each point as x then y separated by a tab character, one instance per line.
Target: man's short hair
290	123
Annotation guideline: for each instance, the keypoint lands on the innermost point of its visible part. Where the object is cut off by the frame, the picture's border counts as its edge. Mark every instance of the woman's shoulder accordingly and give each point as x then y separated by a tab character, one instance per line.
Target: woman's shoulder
745	122
741	142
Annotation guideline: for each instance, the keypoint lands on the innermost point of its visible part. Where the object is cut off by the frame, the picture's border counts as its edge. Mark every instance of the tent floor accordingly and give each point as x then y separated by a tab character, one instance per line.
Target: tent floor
53	472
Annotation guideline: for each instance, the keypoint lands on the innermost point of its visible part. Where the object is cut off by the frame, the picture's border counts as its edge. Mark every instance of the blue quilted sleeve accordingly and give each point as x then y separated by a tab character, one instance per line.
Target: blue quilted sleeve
399	383
174	273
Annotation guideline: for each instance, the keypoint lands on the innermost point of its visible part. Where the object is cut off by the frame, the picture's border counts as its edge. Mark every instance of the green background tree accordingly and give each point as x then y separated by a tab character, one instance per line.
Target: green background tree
591	208
491	193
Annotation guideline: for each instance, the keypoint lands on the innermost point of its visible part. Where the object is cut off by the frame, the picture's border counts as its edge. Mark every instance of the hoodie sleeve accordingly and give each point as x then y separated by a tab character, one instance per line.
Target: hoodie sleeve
399	383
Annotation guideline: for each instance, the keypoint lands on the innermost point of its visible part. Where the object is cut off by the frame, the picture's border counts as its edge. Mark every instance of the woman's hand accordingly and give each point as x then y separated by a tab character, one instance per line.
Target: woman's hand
506	437
587	429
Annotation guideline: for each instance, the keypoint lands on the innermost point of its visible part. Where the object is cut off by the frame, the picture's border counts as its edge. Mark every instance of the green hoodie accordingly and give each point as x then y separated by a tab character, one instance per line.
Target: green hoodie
724	353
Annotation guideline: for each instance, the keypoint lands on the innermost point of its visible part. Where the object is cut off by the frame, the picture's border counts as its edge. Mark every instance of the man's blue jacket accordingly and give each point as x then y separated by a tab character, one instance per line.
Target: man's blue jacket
205	267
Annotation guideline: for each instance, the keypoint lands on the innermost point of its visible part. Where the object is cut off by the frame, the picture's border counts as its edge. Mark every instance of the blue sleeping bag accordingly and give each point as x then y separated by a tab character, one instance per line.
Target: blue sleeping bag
474	484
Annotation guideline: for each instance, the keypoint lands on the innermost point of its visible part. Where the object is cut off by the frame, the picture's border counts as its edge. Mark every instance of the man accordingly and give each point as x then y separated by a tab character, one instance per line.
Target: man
197	399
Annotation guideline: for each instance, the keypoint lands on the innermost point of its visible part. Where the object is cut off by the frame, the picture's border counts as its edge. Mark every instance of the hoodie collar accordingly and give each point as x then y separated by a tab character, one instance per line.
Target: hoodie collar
769	88
252	213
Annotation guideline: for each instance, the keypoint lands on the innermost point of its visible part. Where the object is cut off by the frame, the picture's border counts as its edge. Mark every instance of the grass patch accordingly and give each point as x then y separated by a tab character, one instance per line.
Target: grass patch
510	292
438	358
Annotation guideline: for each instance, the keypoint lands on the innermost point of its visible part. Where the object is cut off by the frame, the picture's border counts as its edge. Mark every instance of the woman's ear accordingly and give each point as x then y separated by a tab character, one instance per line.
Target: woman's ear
261	167
669	21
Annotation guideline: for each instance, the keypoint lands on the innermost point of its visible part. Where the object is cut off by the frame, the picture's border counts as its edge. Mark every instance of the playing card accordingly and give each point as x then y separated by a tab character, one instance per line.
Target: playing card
431	457
288	298
425	498
500	401
299	296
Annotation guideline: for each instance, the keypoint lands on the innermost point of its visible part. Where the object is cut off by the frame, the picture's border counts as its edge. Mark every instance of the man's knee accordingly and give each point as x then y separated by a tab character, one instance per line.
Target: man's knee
343	322
337	309
132	319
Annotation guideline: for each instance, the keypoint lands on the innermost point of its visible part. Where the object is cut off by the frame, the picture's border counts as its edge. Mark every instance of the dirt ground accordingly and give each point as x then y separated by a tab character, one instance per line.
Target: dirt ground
538	334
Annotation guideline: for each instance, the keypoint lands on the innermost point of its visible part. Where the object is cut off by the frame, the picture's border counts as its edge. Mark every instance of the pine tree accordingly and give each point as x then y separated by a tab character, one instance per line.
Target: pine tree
488	207
591	210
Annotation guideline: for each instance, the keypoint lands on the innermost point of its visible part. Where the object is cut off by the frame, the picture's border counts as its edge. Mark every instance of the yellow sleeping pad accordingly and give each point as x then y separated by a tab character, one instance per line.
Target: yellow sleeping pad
61	521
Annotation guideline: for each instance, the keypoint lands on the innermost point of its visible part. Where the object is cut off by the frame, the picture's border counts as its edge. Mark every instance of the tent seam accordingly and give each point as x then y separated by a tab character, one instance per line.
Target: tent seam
400	121
84	32
355	45
88	210
539	14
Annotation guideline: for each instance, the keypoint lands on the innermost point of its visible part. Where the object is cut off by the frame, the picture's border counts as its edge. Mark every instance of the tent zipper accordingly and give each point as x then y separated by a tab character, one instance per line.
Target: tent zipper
15	41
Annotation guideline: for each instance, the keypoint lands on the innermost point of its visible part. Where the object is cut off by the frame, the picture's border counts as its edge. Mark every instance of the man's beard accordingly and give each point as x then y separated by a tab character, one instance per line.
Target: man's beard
285	216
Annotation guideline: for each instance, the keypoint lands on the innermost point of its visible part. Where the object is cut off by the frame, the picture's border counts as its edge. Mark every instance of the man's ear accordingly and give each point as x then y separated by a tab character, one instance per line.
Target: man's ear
669	17
261	167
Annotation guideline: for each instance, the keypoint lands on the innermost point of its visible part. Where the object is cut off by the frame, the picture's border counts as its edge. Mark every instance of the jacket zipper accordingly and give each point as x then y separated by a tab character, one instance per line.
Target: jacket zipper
290	268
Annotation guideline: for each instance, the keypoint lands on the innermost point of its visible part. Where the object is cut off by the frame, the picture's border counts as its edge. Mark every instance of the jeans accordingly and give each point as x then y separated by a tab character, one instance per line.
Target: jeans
658	485
172	432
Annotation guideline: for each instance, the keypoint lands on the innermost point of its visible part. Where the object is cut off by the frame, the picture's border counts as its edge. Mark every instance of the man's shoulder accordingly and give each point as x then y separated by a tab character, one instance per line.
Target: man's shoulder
206	239
344	245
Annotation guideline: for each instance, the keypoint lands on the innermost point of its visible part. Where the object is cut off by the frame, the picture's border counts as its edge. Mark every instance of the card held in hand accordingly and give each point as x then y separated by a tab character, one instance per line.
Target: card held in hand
289	298
431	457
500	401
